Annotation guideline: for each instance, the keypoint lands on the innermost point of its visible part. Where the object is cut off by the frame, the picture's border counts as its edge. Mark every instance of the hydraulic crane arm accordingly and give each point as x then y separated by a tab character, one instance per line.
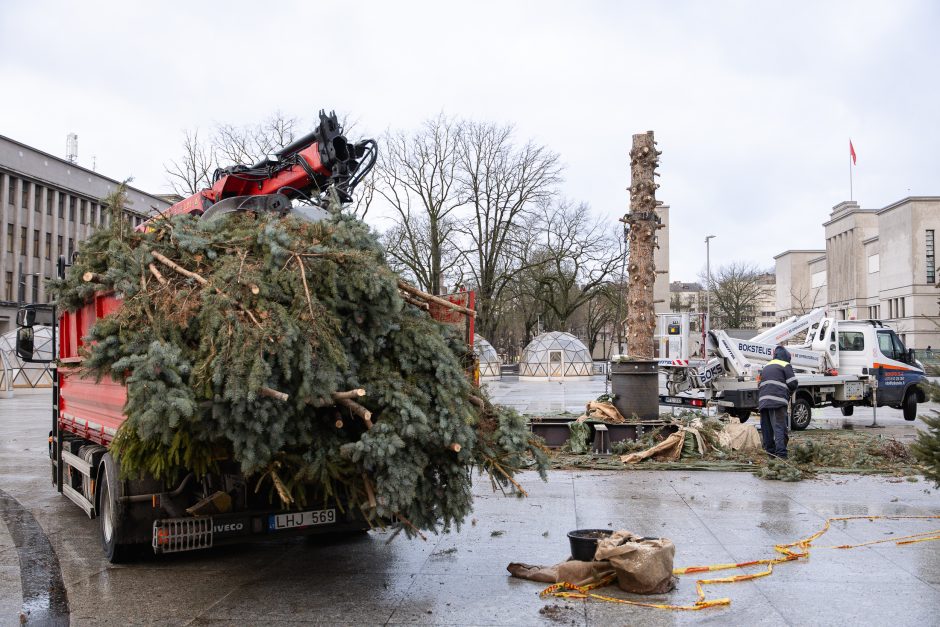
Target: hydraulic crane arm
310	169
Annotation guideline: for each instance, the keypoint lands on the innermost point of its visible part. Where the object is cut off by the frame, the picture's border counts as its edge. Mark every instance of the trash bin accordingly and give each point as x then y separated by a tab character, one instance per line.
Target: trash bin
635	385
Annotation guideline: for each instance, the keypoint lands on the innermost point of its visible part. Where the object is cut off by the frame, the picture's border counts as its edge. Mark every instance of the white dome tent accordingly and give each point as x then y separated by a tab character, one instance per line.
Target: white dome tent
488	357
14	372
556	355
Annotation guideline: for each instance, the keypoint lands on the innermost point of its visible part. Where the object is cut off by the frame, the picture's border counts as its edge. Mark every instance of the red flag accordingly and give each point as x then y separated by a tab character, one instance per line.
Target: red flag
852	151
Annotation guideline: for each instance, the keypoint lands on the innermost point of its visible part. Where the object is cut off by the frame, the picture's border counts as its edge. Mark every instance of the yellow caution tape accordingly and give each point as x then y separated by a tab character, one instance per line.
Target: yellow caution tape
788	552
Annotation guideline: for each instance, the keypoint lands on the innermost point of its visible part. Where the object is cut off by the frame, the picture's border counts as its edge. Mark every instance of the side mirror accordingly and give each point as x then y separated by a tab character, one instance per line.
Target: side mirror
24	343
25	317
910	356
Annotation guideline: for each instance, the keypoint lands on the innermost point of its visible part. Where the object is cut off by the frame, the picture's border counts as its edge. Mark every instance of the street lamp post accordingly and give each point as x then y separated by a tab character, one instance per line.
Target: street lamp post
708	285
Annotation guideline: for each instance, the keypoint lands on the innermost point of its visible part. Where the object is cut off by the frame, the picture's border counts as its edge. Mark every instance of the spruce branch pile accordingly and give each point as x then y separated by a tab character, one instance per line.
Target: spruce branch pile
927	448
286	345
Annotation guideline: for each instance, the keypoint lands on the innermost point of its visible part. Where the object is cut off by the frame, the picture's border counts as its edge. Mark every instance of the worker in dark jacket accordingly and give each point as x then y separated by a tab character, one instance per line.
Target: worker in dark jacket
777	383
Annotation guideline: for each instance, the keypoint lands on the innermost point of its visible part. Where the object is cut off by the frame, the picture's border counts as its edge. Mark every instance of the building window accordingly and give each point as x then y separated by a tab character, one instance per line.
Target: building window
61	205
903	312
48	245
49	195
23	234
37	197
24	194
71	208
9	286
59	247
11	192
71	248
36	243
35	289
81	216
10	238
931	267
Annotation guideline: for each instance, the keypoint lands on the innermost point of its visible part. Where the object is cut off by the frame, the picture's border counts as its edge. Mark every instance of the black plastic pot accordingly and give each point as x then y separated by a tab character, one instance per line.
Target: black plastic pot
584	542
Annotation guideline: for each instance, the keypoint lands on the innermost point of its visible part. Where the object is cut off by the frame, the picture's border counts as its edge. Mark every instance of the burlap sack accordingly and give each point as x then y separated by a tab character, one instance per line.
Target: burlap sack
643	565
738	437
572	571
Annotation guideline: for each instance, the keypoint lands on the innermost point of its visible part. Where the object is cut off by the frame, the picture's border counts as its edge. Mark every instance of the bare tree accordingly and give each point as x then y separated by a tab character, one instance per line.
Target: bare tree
417	178
248	144
193	172
600	311
802	303
227	145
581	256
503	185
736	292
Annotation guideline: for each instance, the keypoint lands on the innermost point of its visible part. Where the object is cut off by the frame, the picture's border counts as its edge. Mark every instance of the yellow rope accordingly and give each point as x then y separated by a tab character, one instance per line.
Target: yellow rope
788	553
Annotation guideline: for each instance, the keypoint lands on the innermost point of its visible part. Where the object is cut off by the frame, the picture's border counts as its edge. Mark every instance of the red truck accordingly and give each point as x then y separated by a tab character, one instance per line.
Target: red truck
140	514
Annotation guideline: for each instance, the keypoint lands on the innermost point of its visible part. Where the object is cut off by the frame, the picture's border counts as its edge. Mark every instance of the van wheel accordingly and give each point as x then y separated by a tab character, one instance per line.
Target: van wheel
800	414
112	515
847	410
909	407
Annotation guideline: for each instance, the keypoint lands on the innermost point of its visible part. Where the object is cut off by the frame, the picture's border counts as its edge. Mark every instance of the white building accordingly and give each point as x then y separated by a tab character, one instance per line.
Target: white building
878	263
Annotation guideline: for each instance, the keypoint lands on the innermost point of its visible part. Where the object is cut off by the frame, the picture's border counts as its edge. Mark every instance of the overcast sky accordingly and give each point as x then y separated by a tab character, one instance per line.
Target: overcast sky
753	103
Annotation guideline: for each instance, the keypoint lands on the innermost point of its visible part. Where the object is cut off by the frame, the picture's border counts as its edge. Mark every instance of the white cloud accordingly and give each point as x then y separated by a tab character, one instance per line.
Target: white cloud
752	102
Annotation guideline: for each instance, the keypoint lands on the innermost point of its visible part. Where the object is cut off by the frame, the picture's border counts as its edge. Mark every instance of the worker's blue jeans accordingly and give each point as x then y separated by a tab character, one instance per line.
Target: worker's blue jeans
773	431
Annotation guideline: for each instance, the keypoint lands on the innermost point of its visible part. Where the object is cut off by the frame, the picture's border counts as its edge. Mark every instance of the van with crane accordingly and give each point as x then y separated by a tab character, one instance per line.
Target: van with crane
839	363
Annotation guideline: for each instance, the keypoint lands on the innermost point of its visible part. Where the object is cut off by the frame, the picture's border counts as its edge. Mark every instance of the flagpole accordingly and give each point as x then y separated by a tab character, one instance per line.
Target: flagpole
851	196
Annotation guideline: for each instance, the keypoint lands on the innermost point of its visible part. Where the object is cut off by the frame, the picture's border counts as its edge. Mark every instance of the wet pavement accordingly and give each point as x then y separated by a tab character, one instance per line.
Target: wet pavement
460	578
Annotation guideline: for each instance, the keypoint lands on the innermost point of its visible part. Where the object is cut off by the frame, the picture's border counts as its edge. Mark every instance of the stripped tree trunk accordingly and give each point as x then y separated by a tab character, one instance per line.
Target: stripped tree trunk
643	223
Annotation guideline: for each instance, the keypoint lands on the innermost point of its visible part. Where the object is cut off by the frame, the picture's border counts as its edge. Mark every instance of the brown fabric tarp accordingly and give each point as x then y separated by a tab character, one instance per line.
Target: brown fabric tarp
573	571
669	449
603	411
642	565
738	437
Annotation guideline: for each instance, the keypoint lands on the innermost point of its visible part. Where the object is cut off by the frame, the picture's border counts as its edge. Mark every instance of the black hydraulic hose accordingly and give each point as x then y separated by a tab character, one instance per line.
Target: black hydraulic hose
142	498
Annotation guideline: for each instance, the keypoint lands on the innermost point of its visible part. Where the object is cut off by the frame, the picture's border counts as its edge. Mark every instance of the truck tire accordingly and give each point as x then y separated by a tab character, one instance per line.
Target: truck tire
112	515
741	414
801	413
847	410
909	407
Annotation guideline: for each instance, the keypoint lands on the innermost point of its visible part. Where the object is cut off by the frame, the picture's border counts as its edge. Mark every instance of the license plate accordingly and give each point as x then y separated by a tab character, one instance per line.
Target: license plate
297	520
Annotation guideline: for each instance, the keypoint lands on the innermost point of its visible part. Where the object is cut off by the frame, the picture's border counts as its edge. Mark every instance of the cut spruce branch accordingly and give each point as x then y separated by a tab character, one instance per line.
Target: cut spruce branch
157	274
272	393
172	264
357	409
357	393
202	281
93	277
434	299
414	301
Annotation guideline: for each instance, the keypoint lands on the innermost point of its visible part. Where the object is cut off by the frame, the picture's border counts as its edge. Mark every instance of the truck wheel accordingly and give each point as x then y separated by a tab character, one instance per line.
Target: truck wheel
741	414
112	514
847	410
800	414
910	406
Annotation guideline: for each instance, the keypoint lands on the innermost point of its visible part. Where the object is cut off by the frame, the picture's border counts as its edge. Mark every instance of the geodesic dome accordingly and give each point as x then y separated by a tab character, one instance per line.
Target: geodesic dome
487	356
556	354
22	374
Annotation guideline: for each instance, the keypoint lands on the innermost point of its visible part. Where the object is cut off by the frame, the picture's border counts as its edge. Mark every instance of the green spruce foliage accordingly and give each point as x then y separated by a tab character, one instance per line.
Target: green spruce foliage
927	449
217	313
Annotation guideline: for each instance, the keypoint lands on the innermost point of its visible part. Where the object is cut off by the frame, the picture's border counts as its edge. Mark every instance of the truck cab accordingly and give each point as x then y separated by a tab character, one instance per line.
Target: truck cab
869	347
